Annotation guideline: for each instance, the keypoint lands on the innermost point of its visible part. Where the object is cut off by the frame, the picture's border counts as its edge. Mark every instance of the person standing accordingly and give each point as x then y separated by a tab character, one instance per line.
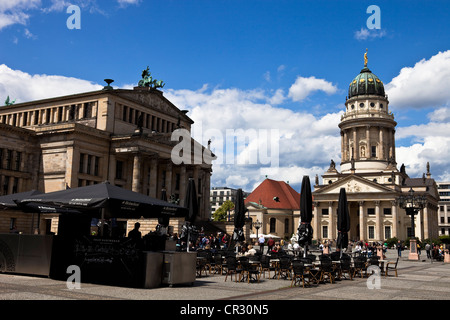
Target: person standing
428	250
399	248
261	242
270	244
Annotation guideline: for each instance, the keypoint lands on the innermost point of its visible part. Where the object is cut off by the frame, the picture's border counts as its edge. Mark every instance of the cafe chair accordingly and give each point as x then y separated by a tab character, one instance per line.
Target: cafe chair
266	265
217	264
284	268
312	272
345	267
360	266
250	271
327	271
391	266
232	268
201	266
299	273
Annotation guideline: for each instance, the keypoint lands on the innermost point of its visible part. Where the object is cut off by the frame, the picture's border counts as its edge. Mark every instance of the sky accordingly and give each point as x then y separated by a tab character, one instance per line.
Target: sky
274	72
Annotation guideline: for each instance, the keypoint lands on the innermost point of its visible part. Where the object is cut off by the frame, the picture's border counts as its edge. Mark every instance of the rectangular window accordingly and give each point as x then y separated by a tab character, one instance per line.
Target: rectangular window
25	119
18	159
374	151
387	232
119	169
60	114
324	232
272	224
371	232
124	113
286	225
6	185
8	159
370	211
96	165
81	164
15	187
448	219
387	211
89	164
325	212
442	219
177	182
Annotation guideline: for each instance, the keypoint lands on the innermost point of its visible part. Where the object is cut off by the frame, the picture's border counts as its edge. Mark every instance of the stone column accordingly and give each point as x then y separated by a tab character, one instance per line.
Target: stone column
368	151
355	146
183	184
169	179
345	152
382	155
394	218
426	234
332	231
136	186
153	177
362	221
316	231
342	146
379	224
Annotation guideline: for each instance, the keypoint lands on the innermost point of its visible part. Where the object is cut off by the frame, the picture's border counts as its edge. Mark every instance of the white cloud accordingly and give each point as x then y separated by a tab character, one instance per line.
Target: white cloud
303	87
14	11
370	34
124	3
25	87
305	145
424	85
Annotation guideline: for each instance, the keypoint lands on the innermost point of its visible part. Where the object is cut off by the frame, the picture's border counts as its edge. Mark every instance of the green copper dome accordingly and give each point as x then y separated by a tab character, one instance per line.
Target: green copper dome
366	83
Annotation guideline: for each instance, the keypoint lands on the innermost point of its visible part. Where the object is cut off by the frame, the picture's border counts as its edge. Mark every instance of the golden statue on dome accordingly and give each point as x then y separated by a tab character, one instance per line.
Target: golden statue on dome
365	58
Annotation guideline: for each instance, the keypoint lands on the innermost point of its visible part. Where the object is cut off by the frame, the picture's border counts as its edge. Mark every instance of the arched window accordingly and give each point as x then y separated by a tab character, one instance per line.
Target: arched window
272	225
286	225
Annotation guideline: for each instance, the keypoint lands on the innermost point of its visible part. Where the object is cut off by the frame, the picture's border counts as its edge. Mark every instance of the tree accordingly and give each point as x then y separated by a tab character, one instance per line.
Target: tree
221	213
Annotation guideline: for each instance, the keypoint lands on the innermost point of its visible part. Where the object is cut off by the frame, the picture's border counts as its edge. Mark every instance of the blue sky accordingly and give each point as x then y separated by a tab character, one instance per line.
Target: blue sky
234	55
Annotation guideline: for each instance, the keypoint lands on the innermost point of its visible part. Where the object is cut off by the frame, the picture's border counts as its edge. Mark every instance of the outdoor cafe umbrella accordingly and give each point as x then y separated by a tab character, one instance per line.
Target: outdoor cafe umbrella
239	217
343	221
305	230
111	201
7	202
164	221
191	204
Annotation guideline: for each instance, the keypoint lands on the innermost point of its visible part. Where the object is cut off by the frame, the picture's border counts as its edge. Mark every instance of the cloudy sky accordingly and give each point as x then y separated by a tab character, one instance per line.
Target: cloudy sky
274	72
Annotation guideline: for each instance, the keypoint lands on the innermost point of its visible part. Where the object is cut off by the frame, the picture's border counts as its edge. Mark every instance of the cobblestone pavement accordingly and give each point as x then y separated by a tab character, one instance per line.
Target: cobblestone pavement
417	280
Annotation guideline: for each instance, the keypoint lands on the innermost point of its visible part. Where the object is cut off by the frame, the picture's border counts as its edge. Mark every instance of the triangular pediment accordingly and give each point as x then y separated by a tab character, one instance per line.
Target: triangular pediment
154	100
353	184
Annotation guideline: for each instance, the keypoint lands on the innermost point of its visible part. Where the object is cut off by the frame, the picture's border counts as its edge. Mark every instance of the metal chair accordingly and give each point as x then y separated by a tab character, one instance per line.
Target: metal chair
300	273
232	268
327	271
266	265
249	270
284	267
393	268
360	266
346	267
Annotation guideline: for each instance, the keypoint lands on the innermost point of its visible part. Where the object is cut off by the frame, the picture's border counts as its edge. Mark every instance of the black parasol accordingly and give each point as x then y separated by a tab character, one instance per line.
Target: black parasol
189	232
305	230
239	217
116	202
343	221
7	202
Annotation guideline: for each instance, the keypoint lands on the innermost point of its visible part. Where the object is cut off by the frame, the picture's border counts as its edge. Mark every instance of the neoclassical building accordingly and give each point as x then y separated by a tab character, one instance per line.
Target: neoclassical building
368	172
122	136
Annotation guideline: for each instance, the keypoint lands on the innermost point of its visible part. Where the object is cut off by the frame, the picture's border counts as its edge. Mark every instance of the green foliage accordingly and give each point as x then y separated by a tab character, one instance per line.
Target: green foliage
445	239
221	213
391	242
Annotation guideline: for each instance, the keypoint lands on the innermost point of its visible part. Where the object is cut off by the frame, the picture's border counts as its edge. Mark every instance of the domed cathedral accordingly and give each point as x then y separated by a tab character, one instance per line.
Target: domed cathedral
369	173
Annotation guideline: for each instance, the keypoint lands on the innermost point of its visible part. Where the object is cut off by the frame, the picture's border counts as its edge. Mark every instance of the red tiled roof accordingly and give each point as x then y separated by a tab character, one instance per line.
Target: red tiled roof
288	198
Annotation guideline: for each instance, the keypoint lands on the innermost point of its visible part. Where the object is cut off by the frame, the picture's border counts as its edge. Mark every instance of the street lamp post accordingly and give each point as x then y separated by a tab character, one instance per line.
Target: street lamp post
257	224
412	204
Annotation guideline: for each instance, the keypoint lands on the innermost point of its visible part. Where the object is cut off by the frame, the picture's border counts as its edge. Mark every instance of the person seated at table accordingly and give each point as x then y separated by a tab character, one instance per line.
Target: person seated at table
276	248
251	251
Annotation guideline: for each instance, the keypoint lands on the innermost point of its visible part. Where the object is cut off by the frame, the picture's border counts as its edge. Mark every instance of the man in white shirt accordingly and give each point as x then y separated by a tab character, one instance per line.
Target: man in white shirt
261	241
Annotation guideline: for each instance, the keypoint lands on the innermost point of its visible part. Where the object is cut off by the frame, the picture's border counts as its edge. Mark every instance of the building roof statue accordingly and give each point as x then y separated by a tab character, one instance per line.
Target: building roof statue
147	81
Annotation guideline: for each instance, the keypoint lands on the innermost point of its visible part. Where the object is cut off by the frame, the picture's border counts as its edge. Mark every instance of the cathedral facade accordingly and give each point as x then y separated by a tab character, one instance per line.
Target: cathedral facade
369	173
